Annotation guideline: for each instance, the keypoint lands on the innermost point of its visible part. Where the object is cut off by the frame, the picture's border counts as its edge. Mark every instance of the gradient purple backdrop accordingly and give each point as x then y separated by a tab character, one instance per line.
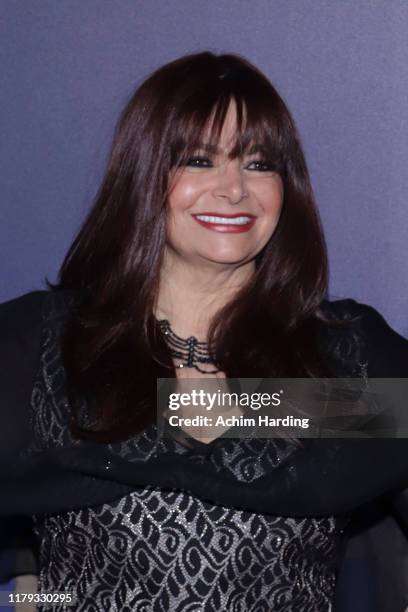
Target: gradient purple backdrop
67	68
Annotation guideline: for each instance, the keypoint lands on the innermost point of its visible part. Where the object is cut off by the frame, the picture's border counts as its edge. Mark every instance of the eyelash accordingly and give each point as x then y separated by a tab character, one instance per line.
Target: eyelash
203	162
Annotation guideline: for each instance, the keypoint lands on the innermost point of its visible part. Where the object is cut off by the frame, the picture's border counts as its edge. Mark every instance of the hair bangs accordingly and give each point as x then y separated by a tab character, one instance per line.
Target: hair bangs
200	123
260	132
257	129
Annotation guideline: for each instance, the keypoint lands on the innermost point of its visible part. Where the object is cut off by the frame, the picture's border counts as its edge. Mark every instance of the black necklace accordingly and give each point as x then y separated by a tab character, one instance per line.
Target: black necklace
190	350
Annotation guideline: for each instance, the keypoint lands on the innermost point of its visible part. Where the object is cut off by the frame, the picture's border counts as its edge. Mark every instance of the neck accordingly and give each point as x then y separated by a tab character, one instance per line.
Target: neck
190	294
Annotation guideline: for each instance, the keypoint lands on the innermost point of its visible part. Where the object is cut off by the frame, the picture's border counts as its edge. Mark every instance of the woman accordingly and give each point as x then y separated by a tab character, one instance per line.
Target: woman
203	256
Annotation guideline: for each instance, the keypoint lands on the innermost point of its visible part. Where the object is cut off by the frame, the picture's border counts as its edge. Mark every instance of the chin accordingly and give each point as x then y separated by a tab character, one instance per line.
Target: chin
225	259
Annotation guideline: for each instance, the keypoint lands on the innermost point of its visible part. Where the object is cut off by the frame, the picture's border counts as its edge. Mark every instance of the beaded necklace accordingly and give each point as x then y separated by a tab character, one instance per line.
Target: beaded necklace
189	350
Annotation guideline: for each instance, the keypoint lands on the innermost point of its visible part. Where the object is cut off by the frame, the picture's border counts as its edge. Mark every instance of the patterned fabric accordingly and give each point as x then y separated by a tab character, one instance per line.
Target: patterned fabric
166	550
156	551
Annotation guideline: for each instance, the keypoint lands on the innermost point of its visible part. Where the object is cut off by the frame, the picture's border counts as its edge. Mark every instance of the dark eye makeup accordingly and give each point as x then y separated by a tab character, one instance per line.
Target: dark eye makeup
198	162
260	165
257	165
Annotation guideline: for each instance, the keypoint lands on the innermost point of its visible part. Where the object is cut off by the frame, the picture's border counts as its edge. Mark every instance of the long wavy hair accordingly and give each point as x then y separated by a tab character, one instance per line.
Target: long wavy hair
113	350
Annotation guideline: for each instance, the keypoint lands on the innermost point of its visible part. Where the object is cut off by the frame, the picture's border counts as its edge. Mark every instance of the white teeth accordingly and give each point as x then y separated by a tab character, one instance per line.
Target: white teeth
224	220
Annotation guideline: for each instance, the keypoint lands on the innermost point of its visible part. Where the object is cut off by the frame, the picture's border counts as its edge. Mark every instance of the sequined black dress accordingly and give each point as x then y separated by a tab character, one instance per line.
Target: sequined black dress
155	550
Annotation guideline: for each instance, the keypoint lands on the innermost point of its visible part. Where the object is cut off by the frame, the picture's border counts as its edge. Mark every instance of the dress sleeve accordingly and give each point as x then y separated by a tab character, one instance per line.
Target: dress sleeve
387	356
384	353
20	345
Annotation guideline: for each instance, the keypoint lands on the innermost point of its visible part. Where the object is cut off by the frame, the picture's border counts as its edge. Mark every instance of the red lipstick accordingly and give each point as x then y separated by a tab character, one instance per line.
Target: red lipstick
223	227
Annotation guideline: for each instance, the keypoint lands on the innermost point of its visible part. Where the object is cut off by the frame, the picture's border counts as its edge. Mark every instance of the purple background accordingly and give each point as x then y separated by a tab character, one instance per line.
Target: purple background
67	68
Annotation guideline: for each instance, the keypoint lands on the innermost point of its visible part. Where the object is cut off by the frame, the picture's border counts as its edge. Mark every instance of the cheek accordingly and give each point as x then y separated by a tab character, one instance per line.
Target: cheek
181	199
185	193
270	198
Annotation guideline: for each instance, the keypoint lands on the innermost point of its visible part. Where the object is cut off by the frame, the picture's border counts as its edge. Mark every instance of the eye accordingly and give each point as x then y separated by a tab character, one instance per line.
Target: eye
260	165
198	162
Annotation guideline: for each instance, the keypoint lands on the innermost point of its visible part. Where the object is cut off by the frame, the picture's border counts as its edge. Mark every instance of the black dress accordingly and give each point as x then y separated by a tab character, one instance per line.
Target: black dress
150	524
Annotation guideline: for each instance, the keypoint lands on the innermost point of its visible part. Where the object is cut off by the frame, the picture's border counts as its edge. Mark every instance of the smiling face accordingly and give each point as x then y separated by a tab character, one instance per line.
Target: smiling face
223	211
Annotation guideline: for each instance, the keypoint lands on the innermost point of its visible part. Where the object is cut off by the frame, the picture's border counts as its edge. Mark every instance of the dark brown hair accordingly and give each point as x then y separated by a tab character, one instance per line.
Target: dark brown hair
113	350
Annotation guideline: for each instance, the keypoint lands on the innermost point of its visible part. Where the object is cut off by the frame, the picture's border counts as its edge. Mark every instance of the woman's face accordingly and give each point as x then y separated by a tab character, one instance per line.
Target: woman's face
223	211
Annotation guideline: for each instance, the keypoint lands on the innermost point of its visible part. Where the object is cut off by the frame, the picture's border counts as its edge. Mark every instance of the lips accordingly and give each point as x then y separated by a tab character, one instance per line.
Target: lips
231	223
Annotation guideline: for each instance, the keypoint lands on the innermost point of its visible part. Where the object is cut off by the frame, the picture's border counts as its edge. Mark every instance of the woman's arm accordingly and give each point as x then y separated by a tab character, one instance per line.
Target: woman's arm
20	345
386	353
377	552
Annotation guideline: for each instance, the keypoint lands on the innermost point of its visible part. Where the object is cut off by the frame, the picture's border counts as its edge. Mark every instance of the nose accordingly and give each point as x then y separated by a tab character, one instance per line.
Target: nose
230	183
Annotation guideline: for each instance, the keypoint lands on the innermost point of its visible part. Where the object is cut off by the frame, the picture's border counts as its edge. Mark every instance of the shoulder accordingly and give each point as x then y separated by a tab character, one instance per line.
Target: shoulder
22	313
21	321
349	309
384	350
26	306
